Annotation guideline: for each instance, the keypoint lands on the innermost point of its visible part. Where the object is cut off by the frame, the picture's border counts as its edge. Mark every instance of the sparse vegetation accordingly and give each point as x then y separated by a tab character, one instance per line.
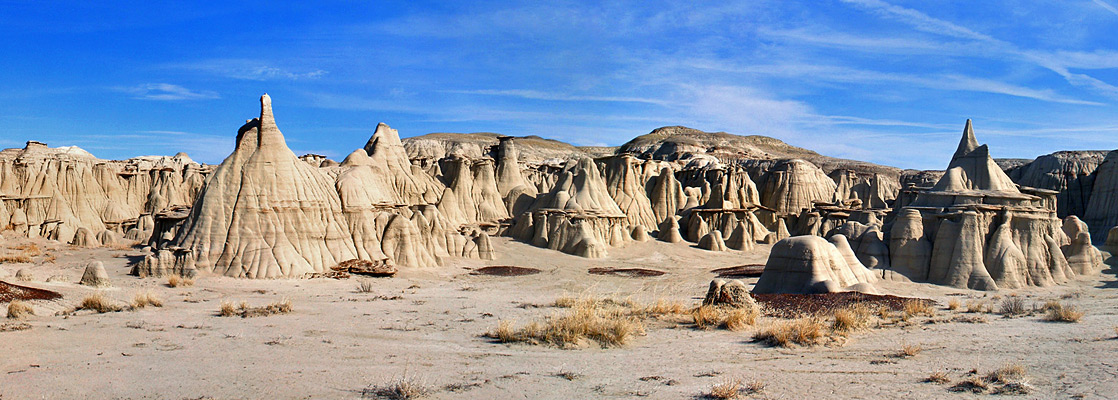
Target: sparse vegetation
909	351
734	388
850	319
728	389
608	326
939	377
1009	379
364	286
609	321
99	303
914	308
245	311
405	388
568	375
145	299
18	310
808	331
1012	306
1058	312
730	318
14	259
176	281
975	306
954	304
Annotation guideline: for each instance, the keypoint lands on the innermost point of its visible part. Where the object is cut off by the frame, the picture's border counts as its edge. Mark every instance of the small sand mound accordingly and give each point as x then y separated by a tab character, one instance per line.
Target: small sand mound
505	270
626	272
9	292
740	271
797	305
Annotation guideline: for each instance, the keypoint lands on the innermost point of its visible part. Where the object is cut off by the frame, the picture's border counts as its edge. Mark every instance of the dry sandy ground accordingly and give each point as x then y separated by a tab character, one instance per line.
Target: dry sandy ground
426	326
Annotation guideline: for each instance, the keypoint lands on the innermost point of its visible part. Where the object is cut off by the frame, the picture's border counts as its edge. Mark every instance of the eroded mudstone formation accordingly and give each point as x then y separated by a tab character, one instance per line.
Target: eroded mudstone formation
976	229
577	216
811	264
1102	209
68	195
264	213
95	275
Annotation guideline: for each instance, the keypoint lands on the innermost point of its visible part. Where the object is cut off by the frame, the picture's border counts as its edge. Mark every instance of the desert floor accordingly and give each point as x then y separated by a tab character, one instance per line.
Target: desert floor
427	326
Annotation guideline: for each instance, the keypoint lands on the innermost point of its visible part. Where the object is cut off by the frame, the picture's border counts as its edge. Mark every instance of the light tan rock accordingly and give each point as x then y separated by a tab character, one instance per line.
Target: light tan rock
810	264
95	275
713	241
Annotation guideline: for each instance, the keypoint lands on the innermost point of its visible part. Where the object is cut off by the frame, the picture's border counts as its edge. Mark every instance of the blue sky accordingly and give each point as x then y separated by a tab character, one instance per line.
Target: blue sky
885	81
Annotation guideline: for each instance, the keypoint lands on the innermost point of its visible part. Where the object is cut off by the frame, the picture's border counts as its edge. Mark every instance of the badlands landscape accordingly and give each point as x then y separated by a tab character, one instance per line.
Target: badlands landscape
681	264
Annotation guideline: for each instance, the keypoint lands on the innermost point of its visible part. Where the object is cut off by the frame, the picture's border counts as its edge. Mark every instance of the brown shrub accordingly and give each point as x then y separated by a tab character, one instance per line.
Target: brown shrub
909	351
607	323
801	331
939	377
18	309
918	308
99	303
145	299
852	318
1058	312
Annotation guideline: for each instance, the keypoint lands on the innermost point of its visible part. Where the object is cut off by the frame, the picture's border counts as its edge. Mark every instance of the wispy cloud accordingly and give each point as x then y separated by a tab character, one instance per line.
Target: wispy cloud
919	20
248	70
539	95
166	92
952	82
1107	6
993	46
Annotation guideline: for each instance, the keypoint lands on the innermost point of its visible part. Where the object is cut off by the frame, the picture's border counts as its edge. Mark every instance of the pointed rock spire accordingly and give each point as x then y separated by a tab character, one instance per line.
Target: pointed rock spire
968	143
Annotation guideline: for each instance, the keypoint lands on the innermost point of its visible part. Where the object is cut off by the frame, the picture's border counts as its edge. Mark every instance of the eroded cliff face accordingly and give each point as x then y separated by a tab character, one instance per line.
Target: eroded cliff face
265	213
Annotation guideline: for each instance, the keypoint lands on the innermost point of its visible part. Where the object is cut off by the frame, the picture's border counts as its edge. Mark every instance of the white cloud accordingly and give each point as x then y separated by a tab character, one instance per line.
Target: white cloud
248	70
166	91
539	95
1107	6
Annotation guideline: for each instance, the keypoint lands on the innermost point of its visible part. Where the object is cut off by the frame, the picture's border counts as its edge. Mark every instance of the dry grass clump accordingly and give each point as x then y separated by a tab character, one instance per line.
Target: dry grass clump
954	304
14	259
99	303
939	377
401	389
729	389
176	281
808	331
1058	312
972	384
734	388
18	310
975	306
29	249
852	318
245	311
364	286
145	299
730	318
909	351
914	308
1012	306
1009	379
572	328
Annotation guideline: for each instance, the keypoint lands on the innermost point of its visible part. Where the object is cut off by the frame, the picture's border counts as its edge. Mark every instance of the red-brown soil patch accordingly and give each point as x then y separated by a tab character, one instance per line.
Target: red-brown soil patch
9	292
505	270
626	272
740	271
